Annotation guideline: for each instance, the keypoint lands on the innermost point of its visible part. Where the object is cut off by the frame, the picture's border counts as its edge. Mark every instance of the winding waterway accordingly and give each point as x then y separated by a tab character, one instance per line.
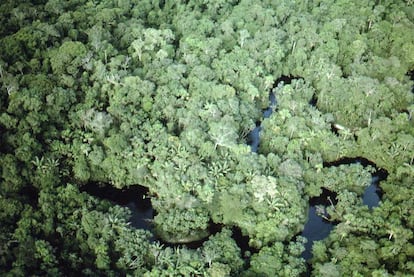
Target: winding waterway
316	228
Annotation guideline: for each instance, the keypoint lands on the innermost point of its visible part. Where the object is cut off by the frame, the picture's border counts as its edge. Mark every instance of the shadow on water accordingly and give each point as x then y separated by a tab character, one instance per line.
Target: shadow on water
132	198
242	242
212	230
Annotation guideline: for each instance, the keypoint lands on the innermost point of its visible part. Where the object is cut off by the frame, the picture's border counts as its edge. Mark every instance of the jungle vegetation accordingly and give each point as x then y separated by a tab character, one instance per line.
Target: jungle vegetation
163	94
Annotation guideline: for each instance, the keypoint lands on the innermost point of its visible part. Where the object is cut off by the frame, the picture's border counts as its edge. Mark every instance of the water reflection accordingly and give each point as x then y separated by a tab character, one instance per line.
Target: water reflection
254	139
372	194
317	228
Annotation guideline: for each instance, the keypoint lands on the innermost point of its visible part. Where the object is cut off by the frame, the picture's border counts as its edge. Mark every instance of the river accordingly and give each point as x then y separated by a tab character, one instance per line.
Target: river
316	228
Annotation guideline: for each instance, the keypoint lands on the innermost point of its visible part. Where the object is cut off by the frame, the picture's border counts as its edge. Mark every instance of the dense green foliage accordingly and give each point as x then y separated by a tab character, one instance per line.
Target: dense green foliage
163	94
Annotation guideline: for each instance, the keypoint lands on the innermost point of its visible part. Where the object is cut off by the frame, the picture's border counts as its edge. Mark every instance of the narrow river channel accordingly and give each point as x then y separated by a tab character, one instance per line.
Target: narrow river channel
316	228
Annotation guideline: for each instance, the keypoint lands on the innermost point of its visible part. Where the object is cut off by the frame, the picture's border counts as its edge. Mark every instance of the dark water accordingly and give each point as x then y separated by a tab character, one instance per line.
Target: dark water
133	198
316	228
372	194
140	217
254	136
